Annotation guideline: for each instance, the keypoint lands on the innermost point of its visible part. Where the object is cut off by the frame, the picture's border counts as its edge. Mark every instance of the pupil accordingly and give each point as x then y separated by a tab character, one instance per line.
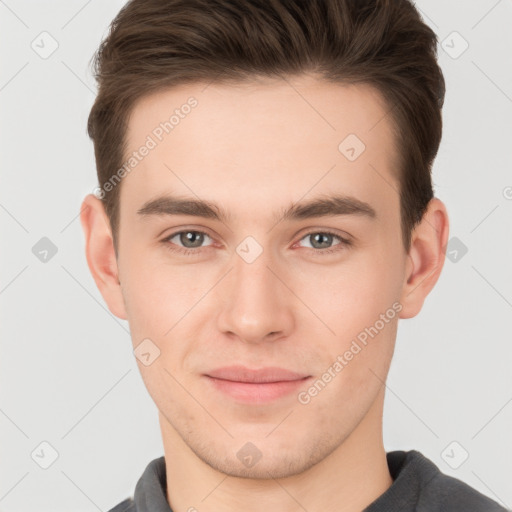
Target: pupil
190	236
320	235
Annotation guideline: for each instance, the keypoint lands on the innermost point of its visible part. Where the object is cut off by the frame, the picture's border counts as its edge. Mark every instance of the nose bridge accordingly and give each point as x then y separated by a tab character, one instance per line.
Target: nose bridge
255	303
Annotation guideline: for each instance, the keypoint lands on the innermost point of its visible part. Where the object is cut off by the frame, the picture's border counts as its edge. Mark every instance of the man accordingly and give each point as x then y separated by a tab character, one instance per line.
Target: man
264	218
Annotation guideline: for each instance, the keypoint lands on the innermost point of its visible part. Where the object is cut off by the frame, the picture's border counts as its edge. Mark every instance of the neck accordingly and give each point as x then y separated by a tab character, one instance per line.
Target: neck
348	480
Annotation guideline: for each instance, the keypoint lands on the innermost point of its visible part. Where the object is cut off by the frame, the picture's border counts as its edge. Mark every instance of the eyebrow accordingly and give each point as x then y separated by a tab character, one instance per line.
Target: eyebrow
332	205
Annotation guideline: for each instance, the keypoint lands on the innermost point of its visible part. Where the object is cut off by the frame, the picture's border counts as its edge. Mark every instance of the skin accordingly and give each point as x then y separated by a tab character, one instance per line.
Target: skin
255	149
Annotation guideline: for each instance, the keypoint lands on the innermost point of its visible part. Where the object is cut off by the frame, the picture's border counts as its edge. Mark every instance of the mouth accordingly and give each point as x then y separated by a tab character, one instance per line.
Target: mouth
255	386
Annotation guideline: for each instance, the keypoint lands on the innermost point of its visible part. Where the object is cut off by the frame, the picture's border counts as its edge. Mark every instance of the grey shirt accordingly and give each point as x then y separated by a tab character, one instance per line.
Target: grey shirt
418	486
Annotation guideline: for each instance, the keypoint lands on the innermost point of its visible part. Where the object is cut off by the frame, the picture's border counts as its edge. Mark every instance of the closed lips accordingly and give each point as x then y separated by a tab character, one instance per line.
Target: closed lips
259	376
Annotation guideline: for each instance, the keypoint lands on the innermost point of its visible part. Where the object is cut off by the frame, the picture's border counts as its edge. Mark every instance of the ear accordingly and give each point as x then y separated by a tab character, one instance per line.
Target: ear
101	258
426	258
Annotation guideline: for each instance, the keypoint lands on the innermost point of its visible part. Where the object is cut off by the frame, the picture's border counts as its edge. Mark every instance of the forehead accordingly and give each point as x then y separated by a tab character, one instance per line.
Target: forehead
278	139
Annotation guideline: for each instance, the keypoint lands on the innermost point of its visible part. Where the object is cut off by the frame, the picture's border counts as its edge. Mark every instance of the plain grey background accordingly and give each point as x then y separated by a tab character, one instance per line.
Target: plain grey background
68	374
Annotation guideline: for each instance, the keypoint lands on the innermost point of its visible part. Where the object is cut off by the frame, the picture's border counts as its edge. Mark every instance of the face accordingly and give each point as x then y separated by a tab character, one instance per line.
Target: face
253	287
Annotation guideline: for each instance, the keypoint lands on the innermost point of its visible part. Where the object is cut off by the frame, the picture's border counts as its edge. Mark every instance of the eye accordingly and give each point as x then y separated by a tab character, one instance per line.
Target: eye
322	240
189	239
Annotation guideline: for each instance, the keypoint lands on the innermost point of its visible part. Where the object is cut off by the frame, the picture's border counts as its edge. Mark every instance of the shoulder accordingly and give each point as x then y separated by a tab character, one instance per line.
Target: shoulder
128	505
441	492
452	494
150	491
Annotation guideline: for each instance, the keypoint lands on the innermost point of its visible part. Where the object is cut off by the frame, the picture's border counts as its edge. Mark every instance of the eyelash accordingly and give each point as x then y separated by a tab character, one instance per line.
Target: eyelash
320	252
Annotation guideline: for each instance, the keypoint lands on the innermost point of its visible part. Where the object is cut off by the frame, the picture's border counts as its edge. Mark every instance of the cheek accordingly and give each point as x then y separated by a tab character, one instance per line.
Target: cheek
359	303
351	296
150	286
163	303
150	296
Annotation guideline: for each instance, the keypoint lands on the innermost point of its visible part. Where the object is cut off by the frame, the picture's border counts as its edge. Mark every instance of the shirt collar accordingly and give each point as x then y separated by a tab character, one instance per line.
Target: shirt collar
410	472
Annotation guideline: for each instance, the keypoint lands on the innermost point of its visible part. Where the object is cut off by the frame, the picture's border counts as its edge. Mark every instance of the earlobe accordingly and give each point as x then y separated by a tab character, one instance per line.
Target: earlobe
425	259
100	254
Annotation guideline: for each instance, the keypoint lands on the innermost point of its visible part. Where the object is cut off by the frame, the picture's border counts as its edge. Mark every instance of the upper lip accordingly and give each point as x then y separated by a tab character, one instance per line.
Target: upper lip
262	375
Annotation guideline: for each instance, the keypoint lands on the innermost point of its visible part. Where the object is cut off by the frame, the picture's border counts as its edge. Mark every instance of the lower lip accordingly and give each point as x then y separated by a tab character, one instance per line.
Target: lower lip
257	392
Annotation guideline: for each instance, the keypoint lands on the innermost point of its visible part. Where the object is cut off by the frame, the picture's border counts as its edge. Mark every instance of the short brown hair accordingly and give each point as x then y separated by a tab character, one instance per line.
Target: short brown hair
157	44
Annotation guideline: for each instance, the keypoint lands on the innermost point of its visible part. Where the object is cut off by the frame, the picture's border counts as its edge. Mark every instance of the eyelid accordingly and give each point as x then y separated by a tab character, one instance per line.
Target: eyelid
186	229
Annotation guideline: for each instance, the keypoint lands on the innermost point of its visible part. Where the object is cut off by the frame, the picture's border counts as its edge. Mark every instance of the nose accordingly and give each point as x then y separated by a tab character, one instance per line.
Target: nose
255	300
